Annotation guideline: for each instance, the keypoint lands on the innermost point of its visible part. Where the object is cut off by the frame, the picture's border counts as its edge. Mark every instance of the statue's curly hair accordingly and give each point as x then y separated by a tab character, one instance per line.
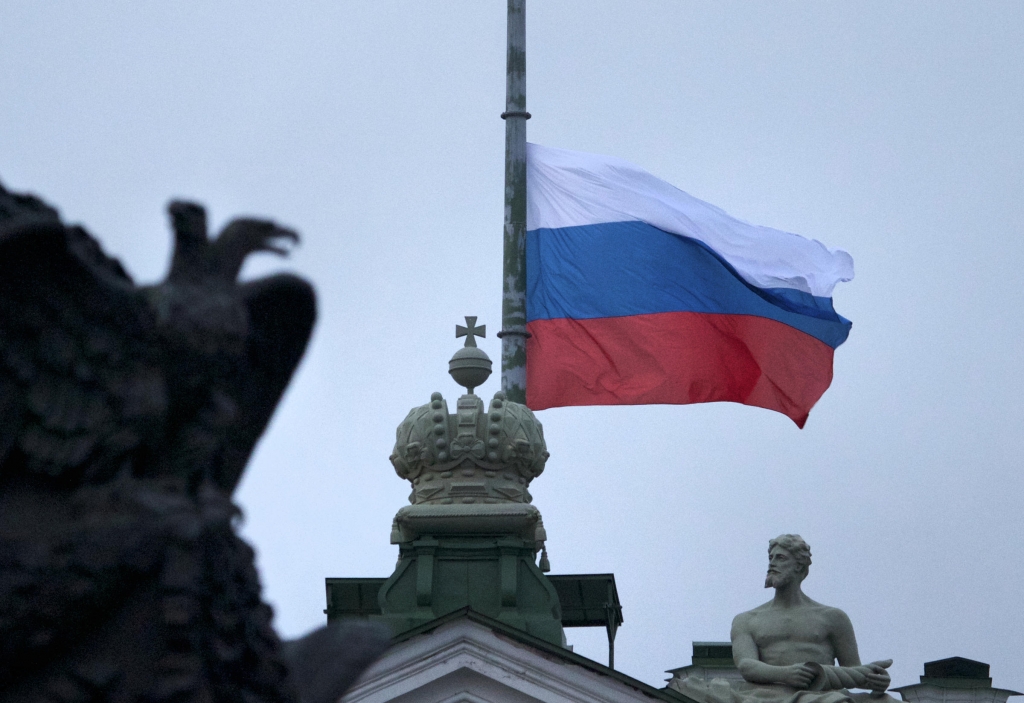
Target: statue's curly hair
795	545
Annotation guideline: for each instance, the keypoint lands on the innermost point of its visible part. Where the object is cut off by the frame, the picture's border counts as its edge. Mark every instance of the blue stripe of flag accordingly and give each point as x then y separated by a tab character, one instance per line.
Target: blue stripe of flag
633	268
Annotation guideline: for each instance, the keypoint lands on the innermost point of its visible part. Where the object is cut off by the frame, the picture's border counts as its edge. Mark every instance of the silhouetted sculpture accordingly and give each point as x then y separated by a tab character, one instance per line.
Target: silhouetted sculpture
127	415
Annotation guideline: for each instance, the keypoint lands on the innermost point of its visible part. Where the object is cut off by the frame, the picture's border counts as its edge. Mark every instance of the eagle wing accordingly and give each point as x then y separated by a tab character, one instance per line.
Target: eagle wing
79	392
281	311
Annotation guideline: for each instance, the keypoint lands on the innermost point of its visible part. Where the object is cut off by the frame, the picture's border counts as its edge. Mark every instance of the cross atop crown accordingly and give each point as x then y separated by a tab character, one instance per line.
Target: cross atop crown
470	331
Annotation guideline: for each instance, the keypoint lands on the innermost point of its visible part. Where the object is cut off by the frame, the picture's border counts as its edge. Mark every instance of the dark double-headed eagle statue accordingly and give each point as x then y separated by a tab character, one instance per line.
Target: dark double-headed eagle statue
127	415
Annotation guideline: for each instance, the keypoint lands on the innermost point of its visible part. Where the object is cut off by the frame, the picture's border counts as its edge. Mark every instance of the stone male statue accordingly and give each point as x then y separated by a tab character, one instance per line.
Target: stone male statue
787	650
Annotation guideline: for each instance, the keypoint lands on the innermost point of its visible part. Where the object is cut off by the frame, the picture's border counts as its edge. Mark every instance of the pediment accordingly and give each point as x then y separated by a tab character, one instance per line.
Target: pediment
465	685
464	661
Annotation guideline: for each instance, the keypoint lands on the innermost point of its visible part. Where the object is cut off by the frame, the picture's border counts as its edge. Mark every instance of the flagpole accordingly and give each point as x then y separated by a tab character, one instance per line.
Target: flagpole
513	305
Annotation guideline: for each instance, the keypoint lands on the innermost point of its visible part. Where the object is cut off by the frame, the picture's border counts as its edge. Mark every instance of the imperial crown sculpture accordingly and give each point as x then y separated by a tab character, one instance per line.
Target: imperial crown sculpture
476	455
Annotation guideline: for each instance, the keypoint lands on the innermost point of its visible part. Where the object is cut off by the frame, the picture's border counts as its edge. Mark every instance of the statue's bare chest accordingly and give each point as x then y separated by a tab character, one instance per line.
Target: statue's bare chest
804	626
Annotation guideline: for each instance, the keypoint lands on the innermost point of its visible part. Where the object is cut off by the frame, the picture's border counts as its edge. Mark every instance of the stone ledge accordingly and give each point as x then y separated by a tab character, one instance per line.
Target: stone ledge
414	521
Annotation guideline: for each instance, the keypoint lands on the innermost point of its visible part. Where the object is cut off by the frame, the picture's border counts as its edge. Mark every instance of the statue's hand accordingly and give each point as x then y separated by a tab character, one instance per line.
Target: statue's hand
878	679
796	675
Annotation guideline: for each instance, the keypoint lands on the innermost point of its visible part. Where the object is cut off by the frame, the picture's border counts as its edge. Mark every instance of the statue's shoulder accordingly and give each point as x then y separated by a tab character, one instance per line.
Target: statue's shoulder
834	616
745	617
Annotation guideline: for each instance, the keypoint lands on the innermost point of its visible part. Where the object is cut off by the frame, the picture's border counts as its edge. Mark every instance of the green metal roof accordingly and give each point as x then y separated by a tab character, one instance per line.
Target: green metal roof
588	600
353	598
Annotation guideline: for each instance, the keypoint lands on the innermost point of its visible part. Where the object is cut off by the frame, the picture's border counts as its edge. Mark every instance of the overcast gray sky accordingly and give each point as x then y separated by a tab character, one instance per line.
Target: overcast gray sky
890	129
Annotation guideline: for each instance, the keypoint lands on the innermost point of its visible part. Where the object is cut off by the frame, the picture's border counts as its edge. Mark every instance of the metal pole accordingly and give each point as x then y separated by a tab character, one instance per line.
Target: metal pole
513	304
612	614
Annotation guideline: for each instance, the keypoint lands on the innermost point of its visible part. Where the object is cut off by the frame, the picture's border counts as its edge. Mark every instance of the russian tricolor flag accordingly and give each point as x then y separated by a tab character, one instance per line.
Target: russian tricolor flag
639	293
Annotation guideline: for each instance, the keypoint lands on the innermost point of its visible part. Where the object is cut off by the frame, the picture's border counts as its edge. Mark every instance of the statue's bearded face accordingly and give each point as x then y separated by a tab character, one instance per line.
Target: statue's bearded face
783	569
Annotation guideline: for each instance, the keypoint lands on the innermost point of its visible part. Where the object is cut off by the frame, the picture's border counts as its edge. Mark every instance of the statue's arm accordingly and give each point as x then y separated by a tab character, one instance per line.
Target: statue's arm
748	659
743	646
844	642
